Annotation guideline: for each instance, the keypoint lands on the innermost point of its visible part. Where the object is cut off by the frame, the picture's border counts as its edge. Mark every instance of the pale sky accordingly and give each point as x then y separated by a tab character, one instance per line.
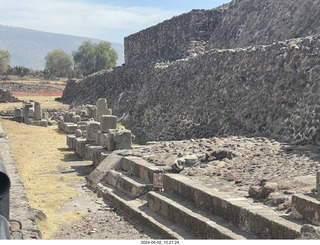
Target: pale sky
101	19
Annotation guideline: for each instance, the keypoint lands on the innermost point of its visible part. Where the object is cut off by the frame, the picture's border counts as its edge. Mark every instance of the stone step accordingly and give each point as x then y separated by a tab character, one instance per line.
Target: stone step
80	146
139	210
306	206
95	153
131	185
140	168
254	218
200	222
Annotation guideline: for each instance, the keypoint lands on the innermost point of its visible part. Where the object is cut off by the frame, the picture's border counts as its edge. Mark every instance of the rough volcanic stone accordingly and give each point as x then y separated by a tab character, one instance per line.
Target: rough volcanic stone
78	133
75	119
37	111
30	113
267	189
102	108
318	183
107	122
68	115
110	142
123	139
92	129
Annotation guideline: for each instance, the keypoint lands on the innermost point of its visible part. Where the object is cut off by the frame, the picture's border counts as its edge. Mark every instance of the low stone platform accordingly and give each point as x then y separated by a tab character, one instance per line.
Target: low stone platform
198	210
216	174
306	206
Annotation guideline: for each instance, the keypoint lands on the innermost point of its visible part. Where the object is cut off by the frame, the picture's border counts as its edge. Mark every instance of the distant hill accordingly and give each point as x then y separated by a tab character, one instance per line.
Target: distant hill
28	48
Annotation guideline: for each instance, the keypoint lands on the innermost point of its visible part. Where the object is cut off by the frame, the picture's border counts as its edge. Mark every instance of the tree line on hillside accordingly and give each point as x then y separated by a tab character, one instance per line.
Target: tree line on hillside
88	59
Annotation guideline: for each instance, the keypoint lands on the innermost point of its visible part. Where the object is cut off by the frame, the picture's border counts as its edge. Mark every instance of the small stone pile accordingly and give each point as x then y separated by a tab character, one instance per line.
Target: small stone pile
31	115
96	125
6	97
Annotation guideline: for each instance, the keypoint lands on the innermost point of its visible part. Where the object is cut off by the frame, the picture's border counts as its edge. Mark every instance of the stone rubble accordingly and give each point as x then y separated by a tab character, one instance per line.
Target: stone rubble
31	115
85	129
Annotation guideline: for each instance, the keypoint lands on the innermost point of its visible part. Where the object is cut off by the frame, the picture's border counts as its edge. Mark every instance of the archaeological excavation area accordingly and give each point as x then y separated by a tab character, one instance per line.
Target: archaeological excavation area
210	130
209	188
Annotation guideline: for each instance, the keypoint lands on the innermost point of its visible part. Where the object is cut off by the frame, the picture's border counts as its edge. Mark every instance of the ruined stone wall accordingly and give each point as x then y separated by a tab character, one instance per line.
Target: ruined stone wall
6	97
240	23
231	72
255	22
172	39
268	90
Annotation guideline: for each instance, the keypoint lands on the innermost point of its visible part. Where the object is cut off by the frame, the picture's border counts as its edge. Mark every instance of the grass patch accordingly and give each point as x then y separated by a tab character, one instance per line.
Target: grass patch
37	153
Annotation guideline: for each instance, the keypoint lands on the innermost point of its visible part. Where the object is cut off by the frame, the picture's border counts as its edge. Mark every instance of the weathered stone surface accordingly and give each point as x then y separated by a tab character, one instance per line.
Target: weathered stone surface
82	125
80	146
75	119
244	81
18	117
244	25
61	125
91	110
254	192
113	161
110	140
44	123
267	189
318	183
98	137
37	111
122	139
270	89
92	129
6	96
68	115
107	122
104	140
30	113
17	111
306	207
169	42
45	115
102	108
70	128
78	132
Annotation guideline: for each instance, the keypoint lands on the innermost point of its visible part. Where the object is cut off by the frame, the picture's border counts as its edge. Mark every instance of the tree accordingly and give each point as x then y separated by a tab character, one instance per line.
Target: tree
18	71
58	64
91	57
5	58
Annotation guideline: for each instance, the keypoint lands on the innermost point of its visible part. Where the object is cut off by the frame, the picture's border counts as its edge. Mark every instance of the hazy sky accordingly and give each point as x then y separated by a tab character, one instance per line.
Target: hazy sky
102	19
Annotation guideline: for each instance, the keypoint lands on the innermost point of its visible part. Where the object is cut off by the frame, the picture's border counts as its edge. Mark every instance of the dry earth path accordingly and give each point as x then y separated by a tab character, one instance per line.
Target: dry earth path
54	181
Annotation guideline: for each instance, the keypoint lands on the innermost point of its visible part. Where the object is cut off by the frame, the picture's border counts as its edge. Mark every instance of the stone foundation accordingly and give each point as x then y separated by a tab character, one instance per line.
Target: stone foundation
93	140
31	115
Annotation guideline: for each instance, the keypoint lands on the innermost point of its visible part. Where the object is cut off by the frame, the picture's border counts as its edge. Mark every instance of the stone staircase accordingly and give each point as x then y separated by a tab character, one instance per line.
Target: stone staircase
185	209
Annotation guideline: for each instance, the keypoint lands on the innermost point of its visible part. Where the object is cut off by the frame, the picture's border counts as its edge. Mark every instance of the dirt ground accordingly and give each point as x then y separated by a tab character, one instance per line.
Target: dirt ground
55	185
101	220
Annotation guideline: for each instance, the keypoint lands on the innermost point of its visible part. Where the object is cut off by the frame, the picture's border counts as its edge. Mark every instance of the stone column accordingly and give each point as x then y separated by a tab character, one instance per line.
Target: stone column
37	111
102	108
92	129
25	109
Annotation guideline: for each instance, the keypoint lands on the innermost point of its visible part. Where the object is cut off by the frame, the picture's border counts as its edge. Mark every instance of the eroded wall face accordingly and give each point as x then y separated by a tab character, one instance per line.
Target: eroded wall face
188	77
270	90
172	39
